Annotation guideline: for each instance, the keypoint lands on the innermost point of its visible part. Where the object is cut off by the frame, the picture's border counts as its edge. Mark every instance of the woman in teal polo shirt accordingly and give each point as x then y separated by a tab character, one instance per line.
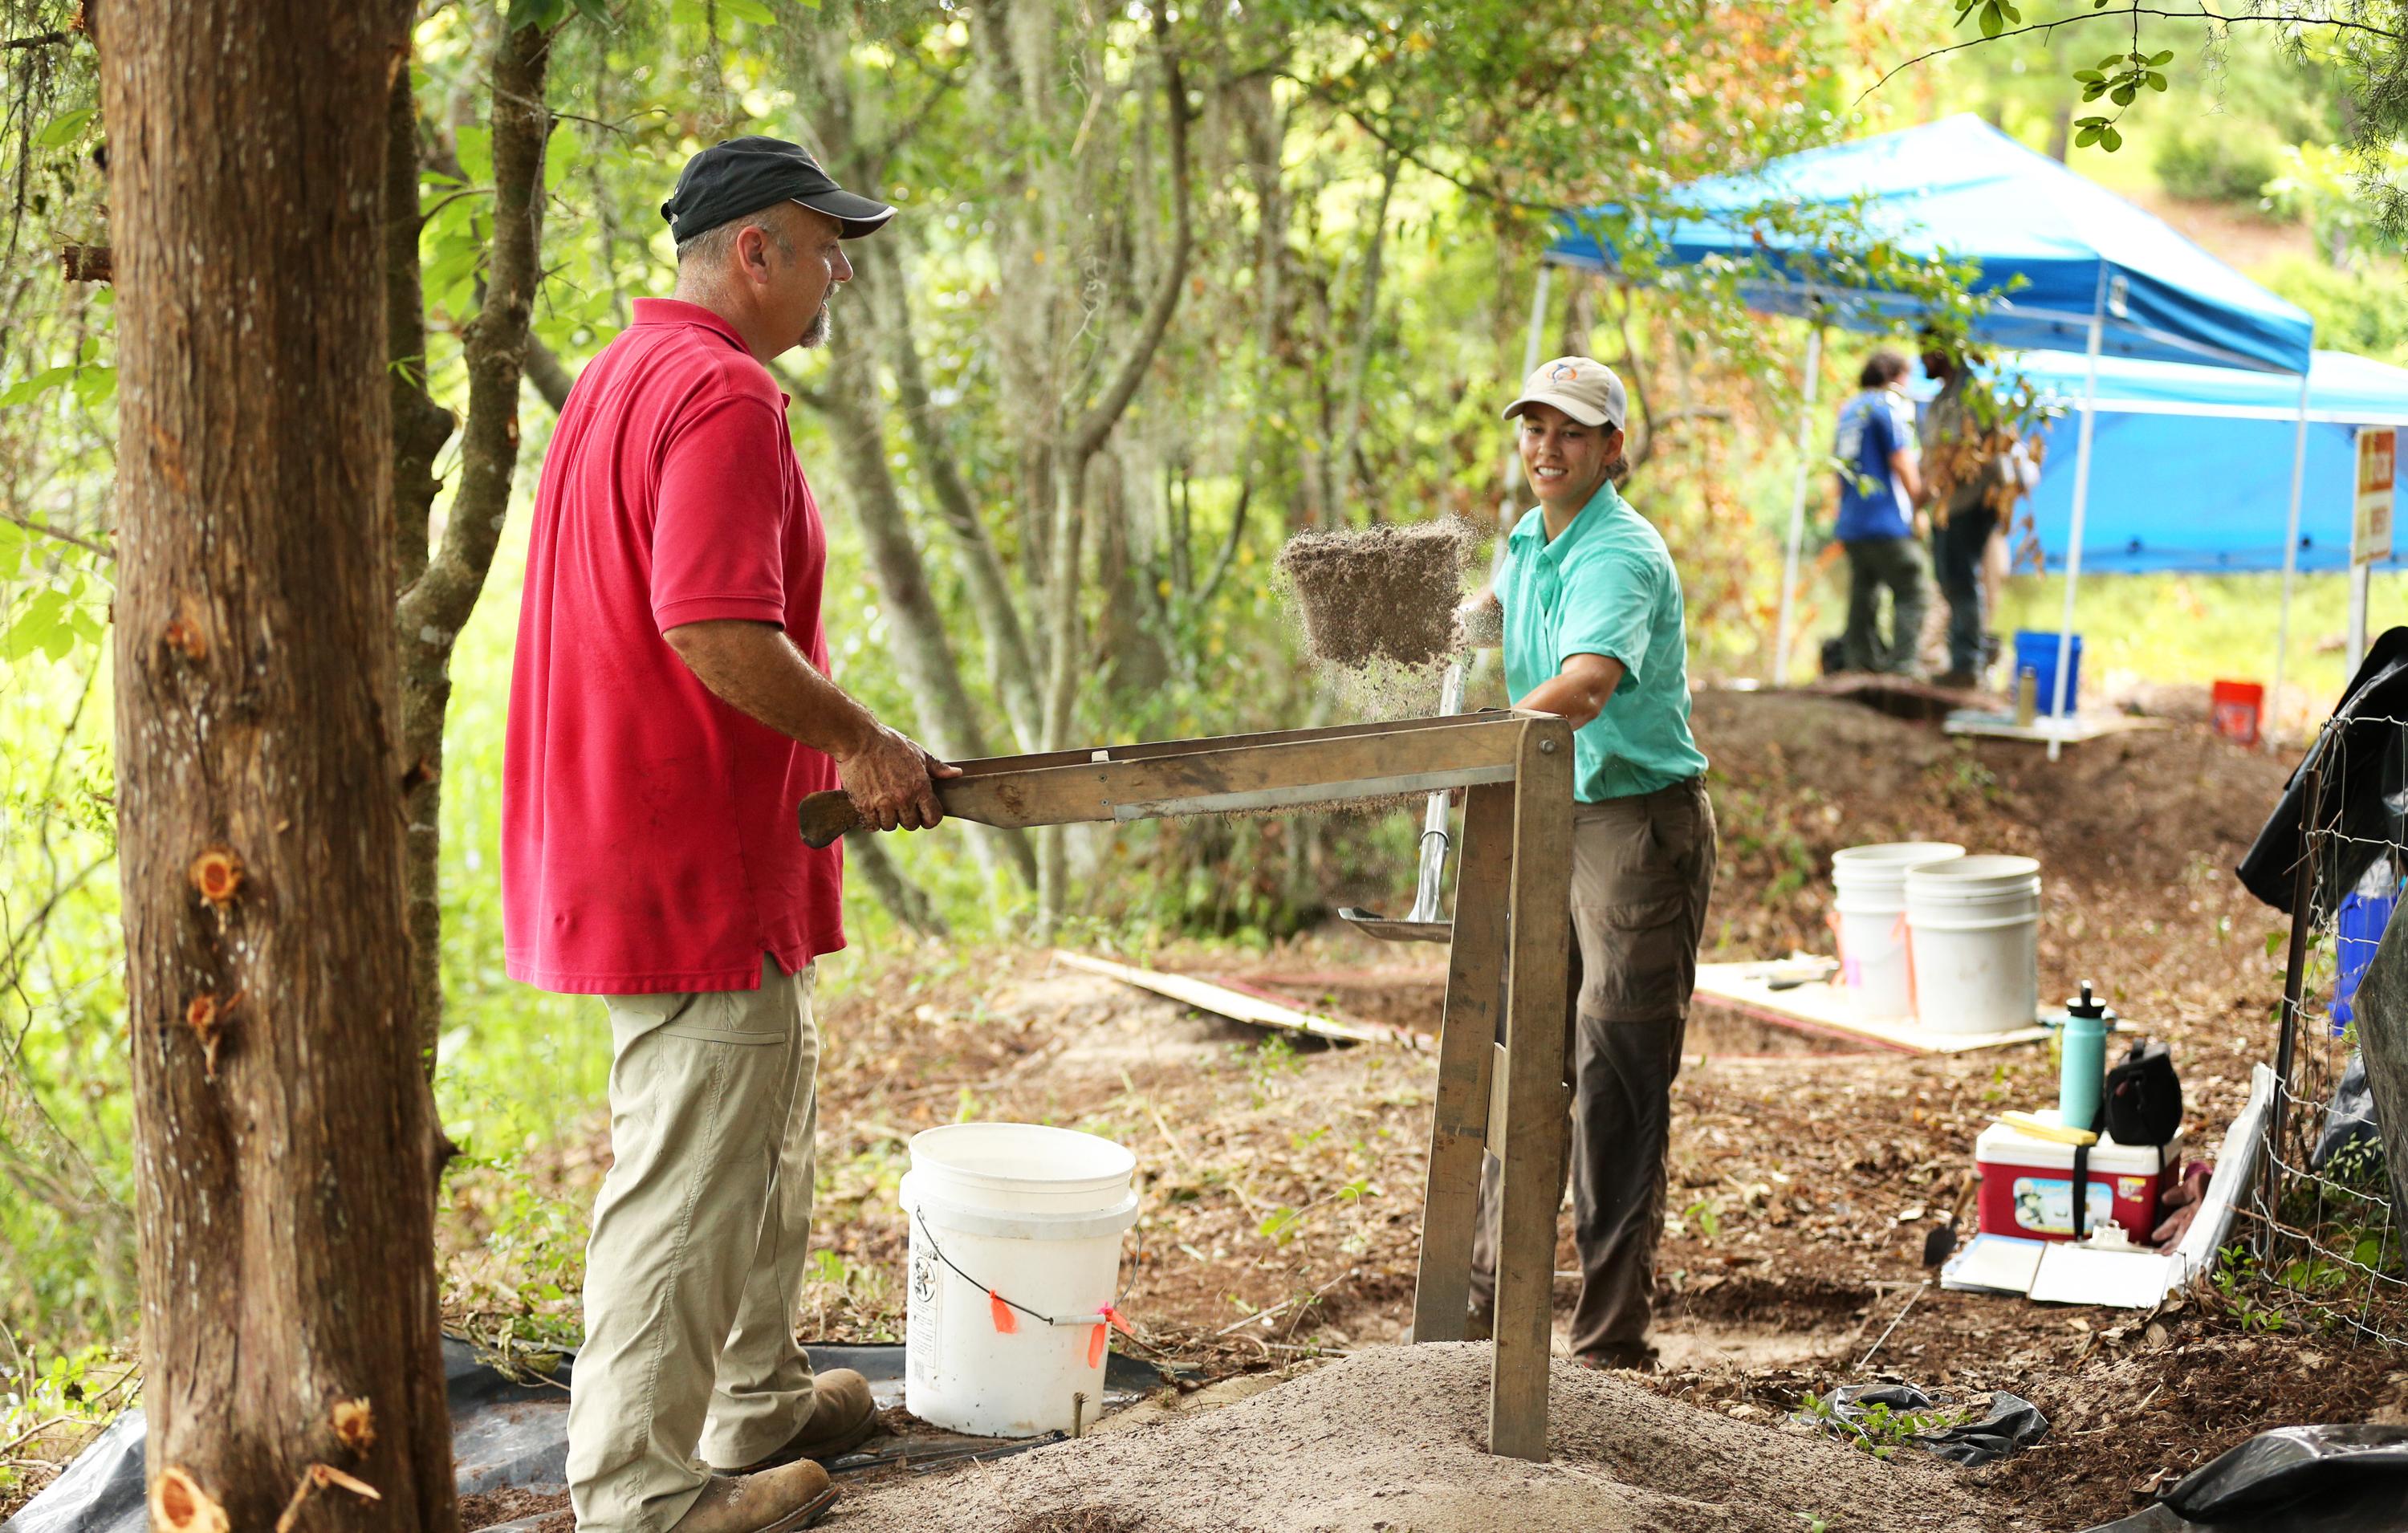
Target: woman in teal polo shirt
1591	609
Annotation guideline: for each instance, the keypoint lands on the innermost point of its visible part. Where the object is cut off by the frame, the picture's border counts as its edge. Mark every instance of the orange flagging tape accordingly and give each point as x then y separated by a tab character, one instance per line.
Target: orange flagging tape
1112	1317
1096	1345
1004	1320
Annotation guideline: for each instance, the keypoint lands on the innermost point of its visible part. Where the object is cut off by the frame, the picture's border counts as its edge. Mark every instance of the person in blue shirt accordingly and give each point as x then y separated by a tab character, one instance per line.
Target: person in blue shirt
1592	627
1879	488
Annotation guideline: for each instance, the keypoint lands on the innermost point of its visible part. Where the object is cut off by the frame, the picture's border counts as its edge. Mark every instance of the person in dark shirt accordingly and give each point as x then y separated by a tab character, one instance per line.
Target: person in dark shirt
1879	488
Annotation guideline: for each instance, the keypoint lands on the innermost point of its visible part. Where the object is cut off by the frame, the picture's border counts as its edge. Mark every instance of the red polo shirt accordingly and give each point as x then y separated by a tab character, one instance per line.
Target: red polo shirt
648	828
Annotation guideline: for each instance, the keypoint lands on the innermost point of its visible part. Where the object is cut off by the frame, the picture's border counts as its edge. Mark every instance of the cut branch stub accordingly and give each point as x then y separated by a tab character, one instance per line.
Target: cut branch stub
207	1021
316	1478
216	873
87	262
180	1505
354	1424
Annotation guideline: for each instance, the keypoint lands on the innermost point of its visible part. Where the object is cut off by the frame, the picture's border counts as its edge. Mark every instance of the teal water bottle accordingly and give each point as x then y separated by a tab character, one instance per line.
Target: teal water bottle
2084	1069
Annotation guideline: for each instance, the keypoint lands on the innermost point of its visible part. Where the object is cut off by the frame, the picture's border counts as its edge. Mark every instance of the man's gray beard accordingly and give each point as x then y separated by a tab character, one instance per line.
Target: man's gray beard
818	333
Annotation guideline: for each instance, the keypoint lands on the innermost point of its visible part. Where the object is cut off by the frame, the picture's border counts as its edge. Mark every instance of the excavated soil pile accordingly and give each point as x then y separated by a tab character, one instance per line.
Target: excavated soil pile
1380	595
1389	1438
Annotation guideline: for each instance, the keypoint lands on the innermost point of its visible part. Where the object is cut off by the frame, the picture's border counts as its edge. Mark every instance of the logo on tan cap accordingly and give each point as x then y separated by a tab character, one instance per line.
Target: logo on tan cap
1583	388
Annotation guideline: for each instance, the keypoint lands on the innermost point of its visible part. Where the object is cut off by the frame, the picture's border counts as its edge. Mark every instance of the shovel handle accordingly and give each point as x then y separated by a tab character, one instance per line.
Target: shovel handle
825	816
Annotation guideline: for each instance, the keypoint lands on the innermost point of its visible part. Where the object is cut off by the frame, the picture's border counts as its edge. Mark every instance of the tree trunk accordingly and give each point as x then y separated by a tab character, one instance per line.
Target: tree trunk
948	719
1010	667
436	606
1065	646
419	425
285	1142
867	856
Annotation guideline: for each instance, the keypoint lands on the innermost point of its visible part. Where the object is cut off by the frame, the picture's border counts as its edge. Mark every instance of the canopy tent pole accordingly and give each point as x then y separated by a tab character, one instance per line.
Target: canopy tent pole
2290	561
2360	576
1782	634
1538	335
2081	509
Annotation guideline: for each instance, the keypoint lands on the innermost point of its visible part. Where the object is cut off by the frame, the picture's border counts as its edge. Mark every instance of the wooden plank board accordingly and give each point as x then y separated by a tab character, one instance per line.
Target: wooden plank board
1153	750
1419	756
1829	1010
1475	985
1223	1001
2082	726
1534	1130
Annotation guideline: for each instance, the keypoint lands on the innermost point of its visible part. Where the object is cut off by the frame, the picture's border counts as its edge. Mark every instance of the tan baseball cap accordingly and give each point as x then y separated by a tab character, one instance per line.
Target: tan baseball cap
1583	388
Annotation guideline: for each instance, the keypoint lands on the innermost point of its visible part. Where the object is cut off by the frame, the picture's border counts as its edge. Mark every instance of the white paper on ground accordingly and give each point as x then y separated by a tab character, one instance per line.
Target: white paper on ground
1993	1264
2127	1280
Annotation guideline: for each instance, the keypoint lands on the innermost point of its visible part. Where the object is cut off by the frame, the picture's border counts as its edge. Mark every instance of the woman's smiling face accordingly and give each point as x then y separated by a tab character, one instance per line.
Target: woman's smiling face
1565	460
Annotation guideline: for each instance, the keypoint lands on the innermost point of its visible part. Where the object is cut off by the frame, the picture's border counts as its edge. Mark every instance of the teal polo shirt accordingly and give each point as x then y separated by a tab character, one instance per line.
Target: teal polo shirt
1605	586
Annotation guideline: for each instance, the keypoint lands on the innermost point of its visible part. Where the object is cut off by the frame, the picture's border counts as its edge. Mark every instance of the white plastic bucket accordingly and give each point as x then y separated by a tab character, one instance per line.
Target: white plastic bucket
1869	900
1973	923
1033	1216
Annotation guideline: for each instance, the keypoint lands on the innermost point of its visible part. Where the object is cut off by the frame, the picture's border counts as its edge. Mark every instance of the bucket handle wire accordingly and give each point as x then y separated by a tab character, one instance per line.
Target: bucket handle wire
1110	1315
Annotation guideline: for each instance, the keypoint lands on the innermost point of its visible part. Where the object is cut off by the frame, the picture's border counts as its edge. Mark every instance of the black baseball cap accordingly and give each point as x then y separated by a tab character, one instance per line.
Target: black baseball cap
741	175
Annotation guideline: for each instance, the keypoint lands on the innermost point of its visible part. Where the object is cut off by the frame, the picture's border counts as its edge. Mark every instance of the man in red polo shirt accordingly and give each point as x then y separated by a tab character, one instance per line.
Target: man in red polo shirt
669	707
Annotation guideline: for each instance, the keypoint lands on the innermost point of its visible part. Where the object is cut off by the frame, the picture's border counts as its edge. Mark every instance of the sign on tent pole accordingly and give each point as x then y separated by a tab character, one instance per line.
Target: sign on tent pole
2378	462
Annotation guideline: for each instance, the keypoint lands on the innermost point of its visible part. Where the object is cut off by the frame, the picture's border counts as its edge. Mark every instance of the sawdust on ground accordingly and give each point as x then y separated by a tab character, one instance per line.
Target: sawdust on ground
1391	1437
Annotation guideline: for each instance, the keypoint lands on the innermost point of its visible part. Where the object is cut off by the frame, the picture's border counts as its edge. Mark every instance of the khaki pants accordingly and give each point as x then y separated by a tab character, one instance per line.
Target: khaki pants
696	1265
1642	869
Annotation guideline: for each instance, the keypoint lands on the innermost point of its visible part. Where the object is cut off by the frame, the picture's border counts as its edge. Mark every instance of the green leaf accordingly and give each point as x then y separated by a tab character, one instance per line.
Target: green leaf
475	141
527	13
2086	137
2122	96
1993	21
64	129
2110	139
2157	82
95	385
2154	60
749	10
28	390
2086	76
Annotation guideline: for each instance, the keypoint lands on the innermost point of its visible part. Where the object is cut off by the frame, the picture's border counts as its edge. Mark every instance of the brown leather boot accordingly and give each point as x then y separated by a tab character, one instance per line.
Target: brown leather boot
842	1416
776	1502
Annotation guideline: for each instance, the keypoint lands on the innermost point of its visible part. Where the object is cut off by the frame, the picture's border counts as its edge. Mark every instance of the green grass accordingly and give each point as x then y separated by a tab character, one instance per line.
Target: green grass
2203	628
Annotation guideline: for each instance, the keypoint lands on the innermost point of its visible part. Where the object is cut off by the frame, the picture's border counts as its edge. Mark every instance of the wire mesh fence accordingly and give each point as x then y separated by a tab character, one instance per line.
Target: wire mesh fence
2325	1213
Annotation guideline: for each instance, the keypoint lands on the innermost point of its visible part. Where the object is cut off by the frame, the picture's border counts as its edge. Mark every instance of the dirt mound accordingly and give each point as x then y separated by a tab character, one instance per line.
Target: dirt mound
2116	821
1390	1439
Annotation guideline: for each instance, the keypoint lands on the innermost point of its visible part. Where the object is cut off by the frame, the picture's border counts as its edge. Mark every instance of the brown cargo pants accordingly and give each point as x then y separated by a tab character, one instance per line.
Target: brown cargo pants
1642	869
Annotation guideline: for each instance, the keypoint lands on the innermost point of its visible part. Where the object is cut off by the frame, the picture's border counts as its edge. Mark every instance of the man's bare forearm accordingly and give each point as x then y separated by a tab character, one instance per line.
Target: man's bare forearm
756	670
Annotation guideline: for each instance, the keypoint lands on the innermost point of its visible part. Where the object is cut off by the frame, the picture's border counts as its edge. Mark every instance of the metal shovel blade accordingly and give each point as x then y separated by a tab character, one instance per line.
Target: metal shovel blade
1401	929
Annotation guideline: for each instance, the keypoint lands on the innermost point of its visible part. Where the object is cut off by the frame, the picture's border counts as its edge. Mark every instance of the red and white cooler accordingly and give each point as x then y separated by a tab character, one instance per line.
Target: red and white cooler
2027	1183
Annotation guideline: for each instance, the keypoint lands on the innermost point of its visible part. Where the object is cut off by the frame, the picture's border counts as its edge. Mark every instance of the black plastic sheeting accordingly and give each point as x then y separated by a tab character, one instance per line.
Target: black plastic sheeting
2012	1424
507	1433
2293	1480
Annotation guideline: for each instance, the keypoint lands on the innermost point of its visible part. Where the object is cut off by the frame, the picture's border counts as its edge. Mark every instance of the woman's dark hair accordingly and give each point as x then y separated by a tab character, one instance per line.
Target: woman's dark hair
1882	369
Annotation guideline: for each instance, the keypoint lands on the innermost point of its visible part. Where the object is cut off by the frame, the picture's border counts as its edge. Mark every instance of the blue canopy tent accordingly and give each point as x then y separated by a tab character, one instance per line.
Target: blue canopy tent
2085	264
2188	457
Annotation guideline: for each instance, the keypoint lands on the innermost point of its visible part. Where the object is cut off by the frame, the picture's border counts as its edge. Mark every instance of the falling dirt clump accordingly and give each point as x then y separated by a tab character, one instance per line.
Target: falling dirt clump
1392	1438
1381	594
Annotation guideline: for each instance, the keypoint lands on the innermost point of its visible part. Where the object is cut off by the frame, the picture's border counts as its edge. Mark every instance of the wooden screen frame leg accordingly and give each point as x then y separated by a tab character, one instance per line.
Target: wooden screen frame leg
1534	1129
1467	1040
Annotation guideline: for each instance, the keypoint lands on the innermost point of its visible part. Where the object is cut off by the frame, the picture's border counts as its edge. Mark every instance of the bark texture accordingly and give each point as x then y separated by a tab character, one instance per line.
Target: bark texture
285	1144
436	605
